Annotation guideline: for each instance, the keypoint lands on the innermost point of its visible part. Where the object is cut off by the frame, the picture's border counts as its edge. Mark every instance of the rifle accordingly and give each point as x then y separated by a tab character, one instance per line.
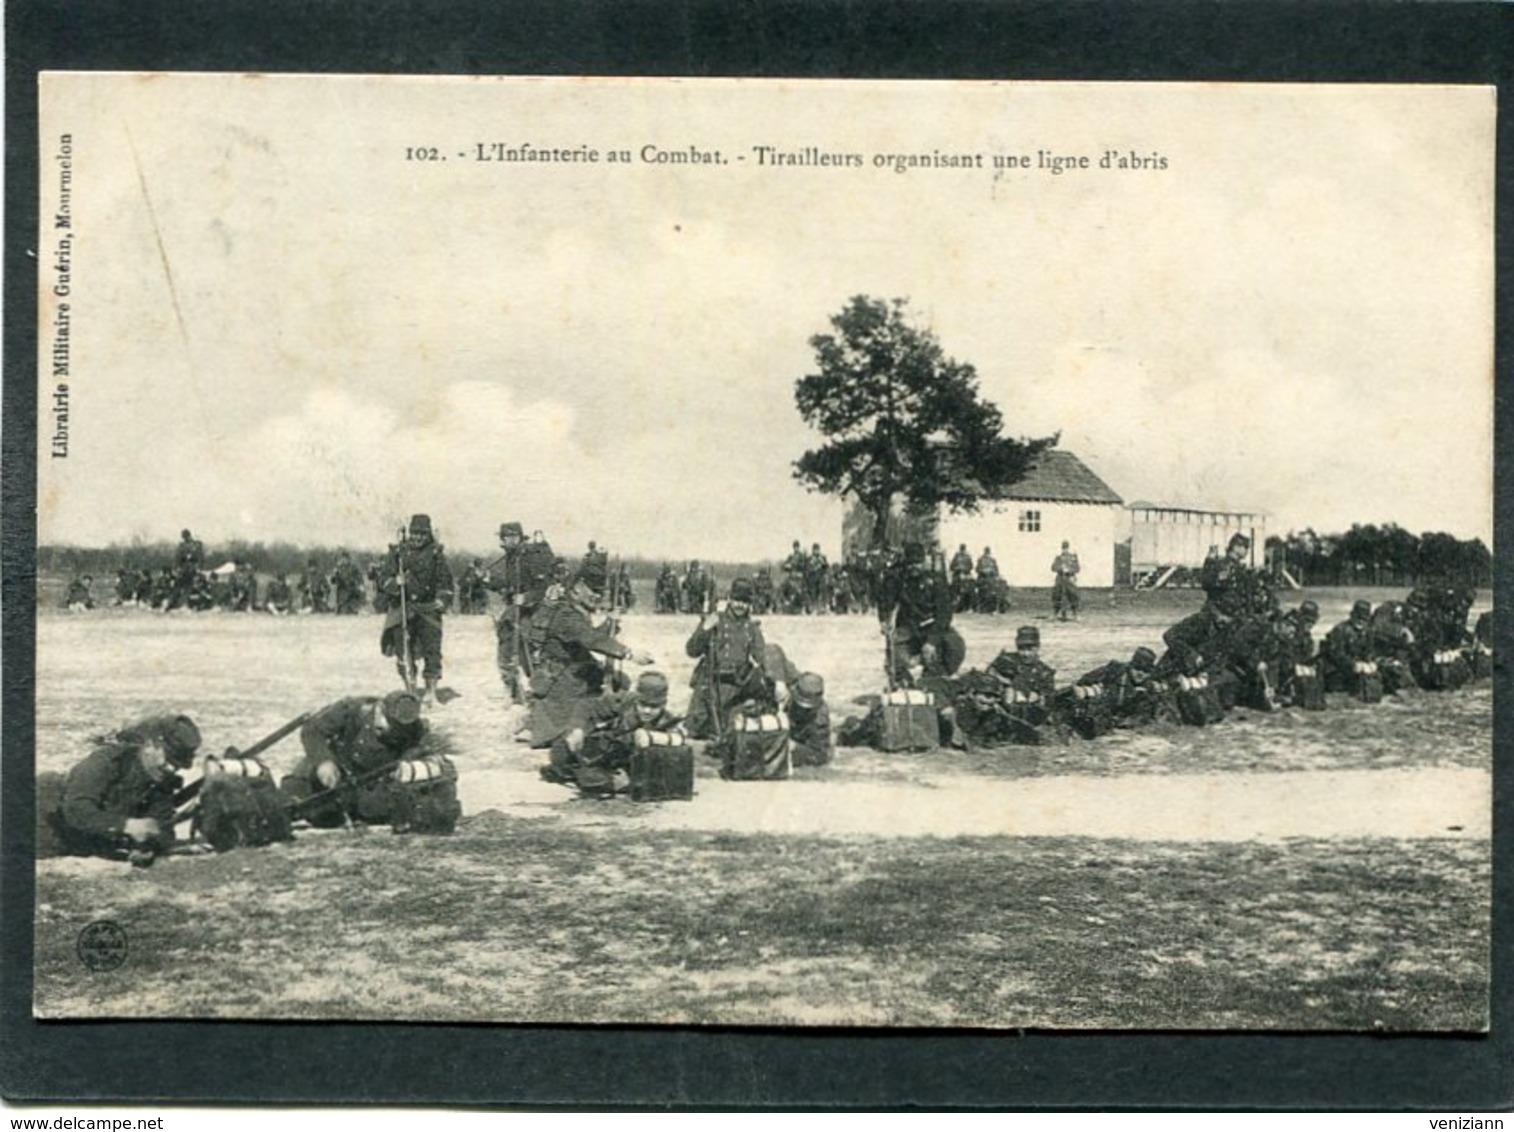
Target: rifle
186	800
297	808
409	663
712	674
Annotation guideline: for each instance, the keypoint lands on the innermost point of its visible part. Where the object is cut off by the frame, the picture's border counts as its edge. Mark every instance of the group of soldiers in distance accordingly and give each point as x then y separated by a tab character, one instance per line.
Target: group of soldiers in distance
812	584
188	583
1241	649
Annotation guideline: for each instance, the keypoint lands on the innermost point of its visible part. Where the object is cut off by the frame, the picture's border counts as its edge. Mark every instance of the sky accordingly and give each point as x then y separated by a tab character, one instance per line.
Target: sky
283	325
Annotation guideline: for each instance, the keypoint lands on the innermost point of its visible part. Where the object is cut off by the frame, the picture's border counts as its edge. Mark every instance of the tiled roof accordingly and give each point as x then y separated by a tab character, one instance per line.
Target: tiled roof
1058	476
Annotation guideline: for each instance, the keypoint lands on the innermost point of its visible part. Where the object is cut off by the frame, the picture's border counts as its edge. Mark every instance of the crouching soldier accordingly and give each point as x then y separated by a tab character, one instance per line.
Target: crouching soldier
810	721
1012	701
1117	694
1347	656
375	761
120	802
732	668
1300	682
1480	651
591	754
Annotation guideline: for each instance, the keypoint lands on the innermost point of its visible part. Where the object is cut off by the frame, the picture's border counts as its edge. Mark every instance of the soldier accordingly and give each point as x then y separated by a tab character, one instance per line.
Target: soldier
1480	651
347	584
522	576
568	677
732	667
126	587
315	594
810	721
419	584
163	586
666	592
839	588
356	750
80	594
119	802
591	754
763	594
1346	646
595	569
188	558
1064	592
243	586
1116	694
1012	701
1232	590
1299	682
816	574
280	598
202	594
915	617
472	596
1393	645
696	588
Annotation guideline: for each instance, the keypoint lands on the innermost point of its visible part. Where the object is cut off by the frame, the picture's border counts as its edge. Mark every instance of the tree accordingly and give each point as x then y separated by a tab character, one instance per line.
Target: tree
902	420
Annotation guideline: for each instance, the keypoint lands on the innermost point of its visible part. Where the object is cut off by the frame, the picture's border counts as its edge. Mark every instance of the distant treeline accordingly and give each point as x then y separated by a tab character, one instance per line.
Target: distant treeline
1374	555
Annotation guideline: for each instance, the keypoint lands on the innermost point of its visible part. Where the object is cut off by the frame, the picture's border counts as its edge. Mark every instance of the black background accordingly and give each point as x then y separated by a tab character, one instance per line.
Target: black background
227	1063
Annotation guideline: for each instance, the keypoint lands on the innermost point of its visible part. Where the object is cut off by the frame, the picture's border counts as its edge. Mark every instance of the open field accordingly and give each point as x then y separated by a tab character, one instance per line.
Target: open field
1298	870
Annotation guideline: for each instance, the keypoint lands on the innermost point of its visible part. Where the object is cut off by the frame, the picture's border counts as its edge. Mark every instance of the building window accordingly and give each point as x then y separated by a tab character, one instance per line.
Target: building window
1030	521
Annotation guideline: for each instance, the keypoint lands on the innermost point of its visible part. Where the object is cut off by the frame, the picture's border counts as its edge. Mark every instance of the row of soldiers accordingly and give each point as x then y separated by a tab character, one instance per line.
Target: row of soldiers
1240	649
366	760
188	584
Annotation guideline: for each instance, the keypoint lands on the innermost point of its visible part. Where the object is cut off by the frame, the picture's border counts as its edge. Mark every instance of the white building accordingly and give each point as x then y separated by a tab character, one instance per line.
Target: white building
1164	537
1059	499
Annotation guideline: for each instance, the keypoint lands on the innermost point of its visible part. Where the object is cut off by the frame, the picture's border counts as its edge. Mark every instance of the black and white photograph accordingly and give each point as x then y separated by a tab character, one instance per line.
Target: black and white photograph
718	552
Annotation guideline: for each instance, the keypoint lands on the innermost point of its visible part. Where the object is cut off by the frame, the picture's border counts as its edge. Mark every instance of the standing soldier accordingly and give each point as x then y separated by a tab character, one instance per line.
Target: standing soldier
796	594
816	575
625	593
471	594
763	595
347	582
188	558
695	587
314	593
962	579
915	616
569	677
988	582
521	576
419	584
667	590
1064	593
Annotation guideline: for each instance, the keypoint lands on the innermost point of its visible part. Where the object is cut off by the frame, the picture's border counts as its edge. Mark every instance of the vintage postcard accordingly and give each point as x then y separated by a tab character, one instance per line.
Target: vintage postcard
747	552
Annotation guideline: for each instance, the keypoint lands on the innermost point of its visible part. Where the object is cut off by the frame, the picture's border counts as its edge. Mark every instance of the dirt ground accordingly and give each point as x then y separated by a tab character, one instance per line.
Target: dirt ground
1407	781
